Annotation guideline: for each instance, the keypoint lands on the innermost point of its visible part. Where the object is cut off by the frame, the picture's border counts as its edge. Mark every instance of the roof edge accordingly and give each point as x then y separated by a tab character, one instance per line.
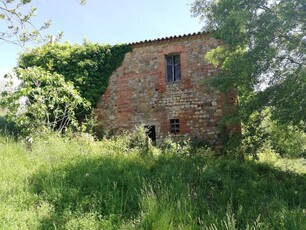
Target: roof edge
176	37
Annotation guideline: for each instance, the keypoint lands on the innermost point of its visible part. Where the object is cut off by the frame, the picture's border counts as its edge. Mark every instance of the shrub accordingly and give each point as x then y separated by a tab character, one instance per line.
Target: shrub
42	100
287	141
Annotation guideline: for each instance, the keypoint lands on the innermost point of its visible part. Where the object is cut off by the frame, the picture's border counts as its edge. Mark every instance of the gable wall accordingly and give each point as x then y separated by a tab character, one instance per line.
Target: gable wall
139	94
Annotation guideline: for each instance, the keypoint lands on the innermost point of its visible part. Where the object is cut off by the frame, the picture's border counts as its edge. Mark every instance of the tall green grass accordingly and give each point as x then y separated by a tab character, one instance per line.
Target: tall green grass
61	183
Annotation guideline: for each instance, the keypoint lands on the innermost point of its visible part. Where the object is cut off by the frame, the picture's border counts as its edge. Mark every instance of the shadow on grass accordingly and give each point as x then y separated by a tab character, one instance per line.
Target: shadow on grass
114	188
106	186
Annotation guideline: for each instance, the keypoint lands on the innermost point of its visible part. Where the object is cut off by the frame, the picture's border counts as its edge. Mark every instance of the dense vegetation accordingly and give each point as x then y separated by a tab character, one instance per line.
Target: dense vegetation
52	180
268	37
61	84
58	183
43	100
88	66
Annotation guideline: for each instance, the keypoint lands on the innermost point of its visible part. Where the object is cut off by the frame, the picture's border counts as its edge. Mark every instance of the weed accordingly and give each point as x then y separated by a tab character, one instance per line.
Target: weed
73	183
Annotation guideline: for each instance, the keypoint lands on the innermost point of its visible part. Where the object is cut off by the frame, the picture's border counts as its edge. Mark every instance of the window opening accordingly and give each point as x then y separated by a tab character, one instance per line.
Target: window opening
173	68
174	126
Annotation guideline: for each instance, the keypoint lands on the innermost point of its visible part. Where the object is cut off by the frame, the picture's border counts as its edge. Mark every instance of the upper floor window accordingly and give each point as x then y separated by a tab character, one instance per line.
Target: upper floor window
173	68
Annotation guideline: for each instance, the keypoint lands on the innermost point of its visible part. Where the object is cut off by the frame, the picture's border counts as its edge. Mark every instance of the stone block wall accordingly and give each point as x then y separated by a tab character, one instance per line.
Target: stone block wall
138	92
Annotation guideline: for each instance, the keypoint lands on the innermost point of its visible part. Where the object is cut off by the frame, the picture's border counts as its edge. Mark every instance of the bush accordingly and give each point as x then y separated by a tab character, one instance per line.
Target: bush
8	128
287	141
42	100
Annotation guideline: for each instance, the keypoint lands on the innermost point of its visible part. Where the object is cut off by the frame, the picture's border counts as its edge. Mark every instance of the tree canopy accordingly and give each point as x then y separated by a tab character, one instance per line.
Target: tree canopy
263	55
42	100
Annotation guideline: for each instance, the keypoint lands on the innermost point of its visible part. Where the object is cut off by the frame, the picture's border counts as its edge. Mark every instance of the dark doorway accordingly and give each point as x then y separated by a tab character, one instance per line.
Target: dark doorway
151	132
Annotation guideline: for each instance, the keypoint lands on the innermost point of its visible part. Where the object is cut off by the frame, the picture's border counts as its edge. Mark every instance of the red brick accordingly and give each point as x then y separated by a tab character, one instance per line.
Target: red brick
138	92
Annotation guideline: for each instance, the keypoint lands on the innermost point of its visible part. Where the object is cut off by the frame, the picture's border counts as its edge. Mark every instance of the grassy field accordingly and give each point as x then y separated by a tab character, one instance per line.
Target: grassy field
111	184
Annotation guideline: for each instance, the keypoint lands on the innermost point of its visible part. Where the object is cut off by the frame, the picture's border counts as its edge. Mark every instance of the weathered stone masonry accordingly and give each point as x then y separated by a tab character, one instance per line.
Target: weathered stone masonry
138	91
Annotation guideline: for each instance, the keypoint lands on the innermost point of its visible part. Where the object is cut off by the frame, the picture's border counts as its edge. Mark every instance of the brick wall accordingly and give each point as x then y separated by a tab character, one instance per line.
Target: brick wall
138	92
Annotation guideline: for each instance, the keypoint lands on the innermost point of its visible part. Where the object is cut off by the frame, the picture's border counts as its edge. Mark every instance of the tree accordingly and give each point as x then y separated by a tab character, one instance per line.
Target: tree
60	83
263	55
16	16
42	100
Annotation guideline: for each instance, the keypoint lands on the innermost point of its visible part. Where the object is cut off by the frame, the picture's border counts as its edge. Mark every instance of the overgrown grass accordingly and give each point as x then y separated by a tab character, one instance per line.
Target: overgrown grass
291	164
78	184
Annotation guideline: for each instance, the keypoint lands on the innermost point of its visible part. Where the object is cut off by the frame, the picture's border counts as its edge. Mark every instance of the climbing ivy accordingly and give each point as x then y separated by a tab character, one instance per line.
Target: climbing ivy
87	66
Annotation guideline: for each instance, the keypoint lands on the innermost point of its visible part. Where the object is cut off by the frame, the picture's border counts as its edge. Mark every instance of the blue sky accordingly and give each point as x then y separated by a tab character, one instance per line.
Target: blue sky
108	21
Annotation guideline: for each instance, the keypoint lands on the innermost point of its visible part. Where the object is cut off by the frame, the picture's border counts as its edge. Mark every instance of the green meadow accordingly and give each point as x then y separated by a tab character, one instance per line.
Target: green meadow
75	183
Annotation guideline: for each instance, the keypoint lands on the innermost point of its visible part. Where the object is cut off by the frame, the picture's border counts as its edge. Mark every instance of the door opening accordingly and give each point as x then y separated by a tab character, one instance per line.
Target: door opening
151	132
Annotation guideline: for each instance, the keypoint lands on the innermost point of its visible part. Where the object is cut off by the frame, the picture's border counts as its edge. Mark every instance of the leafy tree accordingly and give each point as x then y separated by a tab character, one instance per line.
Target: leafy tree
16	22
263	55
42	100
287	141
15	16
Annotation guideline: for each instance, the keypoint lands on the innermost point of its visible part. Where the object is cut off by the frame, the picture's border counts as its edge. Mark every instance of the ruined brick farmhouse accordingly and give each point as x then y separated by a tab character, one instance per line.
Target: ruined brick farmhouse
160	84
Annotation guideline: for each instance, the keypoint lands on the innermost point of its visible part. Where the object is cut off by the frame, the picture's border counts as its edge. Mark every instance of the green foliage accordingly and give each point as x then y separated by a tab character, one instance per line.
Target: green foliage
16	16
255	134
288	164
16	20
139	141
261	132
287	141
72	184
88	66
59	83
263	56
8	128
42	100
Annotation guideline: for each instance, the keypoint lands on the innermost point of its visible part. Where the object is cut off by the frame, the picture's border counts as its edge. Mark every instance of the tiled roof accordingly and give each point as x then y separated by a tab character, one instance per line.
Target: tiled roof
167	38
